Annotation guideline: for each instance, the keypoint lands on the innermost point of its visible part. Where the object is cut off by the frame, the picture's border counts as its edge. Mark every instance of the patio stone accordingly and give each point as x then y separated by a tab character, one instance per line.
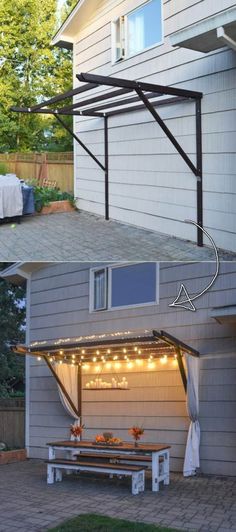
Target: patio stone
204	504
86	237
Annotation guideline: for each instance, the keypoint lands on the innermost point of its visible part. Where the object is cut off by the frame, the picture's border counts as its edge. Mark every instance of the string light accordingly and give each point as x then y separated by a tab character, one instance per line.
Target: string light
83	351
117	365
108	365
39	358
61	352
94	359
164	359
108	351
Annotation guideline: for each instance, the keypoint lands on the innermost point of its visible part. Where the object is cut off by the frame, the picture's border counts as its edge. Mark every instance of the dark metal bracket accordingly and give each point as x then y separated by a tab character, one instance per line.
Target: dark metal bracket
144	93
179	347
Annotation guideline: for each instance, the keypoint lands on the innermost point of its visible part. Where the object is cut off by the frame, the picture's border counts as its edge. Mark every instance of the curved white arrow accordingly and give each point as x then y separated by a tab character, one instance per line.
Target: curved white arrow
187	303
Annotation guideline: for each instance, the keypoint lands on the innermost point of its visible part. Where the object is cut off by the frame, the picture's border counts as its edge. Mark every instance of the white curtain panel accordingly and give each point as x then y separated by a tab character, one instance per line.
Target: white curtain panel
68	375
191	461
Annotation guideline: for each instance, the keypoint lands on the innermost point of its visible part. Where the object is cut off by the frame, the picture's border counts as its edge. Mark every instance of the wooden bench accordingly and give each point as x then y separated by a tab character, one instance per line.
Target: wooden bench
146	461
55	467
98	456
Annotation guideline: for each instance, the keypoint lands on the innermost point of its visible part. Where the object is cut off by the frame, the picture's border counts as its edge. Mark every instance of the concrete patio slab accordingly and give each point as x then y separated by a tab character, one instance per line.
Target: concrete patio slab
206	504
80	236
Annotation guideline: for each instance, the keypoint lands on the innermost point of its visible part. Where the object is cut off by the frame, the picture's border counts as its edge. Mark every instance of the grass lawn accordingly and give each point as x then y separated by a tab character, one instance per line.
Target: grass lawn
101	523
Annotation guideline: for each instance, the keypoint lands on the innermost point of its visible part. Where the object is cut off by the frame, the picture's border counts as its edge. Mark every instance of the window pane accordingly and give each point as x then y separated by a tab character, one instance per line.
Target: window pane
133	285
99	289
144	27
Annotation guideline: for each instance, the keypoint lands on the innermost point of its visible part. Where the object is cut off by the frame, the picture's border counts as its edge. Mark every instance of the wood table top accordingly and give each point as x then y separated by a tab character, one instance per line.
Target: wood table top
142	447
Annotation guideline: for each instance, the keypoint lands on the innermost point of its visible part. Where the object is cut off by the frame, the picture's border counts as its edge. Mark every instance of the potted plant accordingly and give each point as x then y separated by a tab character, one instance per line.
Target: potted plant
9	456
76	432
50	200
136	433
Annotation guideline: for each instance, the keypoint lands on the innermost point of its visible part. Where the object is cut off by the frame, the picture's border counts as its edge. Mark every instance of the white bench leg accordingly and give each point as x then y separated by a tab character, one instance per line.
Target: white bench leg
50	474
69	456
166	466
141	481
58	475
155	472
135	490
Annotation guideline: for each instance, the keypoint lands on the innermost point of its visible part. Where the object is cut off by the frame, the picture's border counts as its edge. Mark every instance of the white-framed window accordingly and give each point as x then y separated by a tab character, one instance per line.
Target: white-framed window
124	286
137	31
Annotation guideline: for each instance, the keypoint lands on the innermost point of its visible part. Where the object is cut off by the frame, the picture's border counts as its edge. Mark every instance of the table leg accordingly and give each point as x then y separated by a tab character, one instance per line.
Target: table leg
155	471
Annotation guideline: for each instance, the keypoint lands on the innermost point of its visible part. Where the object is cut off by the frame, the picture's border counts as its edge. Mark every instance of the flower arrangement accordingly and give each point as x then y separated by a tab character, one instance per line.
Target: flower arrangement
107	438
136	433
76	431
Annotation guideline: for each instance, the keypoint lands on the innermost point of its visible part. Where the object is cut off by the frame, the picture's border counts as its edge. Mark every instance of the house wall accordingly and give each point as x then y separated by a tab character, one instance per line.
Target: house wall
59	309
150	184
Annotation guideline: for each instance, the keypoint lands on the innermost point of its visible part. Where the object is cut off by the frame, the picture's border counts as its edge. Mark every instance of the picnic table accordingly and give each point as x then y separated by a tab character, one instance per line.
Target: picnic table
158	454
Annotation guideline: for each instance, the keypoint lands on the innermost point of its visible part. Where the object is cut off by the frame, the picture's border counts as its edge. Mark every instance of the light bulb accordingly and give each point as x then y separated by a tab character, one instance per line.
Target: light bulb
164	359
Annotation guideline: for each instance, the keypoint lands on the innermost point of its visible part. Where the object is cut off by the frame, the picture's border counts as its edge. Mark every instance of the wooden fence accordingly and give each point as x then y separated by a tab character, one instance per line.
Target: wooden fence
12	422
57	167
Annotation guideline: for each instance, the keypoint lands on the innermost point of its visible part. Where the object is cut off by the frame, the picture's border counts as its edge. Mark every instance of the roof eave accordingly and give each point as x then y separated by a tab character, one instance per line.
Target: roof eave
60	39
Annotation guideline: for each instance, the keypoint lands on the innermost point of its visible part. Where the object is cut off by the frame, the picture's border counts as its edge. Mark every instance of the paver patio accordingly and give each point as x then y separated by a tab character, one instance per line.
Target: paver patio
206	504
83	236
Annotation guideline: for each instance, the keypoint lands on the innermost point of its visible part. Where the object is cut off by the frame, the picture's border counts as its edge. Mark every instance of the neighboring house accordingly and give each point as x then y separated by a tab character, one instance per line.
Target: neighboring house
188	44
70	300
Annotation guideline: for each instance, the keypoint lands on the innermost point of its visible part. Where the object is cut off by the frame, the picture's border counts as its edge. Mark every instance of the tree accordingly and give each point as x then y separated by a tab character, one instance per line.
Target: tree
12	329
31	70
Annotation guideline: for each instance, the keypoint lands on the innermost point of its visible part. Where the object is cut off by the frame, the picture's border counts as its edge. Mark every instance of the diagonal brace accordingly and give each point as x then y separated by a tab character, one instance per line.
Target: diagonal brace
166	130
80	142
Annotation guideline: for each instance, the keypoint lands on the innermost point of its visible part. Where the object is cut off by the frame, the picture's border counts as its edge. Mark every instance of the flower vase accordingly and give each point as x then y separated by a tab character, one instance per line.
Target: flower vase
77	438
136	443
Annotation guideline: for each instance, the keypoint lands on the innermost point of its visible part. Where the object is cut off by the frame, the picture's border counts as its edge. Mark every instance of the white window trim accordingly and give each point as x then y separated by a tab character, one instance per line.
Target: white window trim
109	288
91	289
115	61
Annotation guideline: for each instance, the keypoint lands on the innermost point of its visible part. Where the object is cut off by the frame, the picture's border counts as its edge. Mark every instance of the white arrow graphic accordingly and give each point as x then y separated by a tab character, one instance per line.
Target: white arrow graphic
183	298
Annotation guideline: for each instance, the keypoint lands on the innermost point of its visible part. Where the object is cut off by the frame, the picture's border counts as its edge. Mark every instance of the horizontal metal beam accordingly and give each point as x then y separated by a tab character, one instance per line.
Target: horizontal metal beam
119	103
56	112
95	99
141	106
65	95
118	82
171	340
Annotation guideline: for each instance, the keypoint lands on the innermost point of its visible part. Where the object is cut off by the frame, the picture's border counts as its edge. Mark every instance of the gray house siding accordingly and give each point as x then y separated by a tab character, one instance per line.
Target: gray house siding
150	185
156	399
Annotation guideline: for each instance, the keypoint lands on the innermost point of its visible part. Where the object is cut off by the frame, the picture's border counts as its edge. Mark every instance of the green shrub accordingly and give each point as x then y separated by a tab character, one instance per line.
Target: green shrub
43	196
3	169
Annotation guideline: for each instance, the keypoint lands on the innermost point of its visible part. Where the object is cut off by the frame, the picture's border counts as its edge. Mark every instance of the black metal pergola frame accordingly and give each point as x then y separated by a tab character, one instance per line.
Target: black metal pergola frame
83	349
100	106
